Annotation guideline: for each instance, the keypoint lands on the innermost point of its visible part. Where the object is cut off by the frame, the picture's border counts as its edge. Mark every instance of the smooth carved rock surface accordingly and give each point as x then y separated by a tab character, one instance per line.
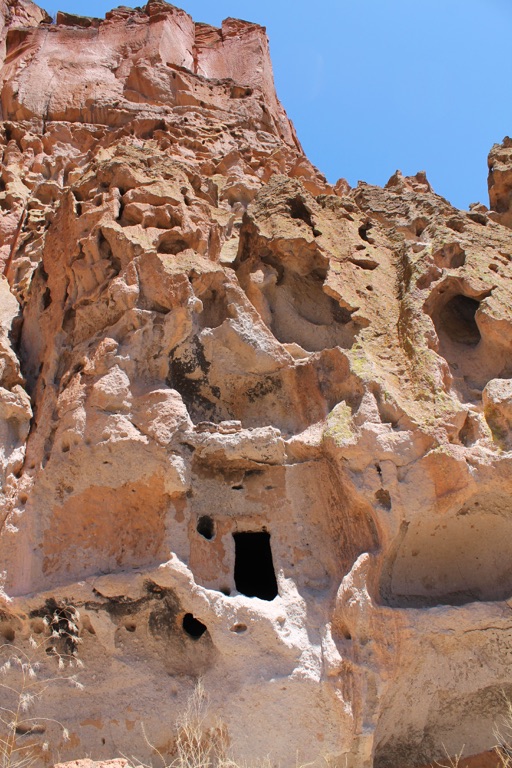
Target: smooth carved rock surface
254	427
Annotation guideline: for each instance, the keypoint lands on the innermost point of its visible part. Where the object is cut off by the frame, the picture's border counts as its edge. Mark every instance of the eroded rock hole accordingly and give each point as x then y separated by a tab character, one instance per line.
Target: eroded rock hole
206	527
470	432
29	729
193	627
451	256
363	231
171	244
299	211
458	320
477	217
68	322
464	559
37	626
383	498
188	373
254	567
215	308
7	633
46	299
302	312
419	226
456	224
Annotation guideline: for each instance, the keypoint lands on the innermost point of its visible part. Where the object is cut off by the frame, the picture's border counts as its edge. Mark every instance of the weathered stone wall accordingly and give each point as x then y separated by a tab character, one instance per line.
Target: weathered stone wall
201	338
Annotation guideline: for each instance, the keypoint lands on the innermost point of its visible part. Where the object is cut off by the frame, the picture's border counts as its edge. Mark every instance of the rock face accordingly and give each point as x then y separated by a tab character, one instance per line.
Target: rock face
254	428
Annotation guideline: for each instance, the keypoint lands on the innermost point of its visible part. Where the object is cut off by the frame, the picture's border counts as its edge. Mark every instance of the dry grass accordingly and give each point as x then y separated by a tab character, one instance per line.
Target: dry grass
503	736
197	744
24	679
503	747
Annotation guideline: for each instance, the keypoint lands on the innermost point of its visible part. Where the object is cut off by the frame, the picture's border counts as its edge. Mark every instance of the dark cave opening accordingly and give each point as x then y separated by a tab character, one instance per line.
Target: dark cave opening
254	567
299	211
193	627
457	320
206	527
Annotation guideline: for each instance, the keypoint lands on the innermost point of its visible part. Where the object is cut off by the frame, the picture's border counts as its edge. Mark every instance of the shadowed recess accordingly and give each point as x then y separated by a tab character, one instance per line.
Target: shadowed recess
206	527
254	568
458	320
193	627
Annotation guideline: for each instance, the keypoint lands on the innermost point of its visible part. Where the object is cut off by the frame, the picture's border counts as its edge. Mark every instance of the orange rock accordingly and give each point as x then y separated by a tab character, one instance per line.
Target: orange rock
254	429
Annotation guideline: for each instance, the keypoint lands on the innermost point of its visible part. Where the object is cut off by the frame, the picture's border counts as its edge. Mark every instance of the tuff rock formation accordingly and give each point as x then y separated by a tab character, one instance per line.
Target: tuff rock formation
255	429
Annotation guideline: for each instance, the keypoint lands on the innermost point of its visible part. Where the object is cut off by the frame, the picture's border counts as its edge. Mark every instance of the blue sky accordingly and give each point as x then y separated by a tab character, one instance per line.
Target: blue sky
376	85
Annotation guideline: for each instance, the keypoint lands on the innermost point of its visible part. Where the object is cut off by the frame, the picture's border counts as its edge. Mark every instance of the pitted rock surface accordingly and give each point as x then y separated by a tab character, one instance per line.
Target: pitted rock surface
233	396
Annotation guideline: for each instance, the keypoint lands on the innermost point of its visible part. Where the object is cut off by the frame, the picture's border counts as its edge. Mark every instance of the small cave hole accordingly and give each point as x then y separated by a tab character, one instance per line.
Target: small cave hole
420	226
47	299
130	626
206	527
493	267
68	321
38	626
225	591
369	264
363	231
8	633
299	211
478	218
172	245
451	256
237	487
383	498
29	728
458	320
215	308
238	629
457	225
254	567
193	627
470	433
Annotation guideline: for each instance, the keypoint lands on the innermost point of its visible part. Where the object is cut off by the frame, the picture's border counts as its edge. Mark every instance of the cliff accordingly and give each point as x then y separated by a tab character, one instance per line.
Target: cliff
255	429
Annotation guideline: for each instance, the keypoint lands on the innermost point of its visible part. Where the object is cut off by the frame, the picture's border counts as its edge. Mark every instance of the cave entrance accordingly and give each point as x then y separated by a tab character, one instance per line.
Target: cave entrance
206	527
254	568
193	627
457	319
